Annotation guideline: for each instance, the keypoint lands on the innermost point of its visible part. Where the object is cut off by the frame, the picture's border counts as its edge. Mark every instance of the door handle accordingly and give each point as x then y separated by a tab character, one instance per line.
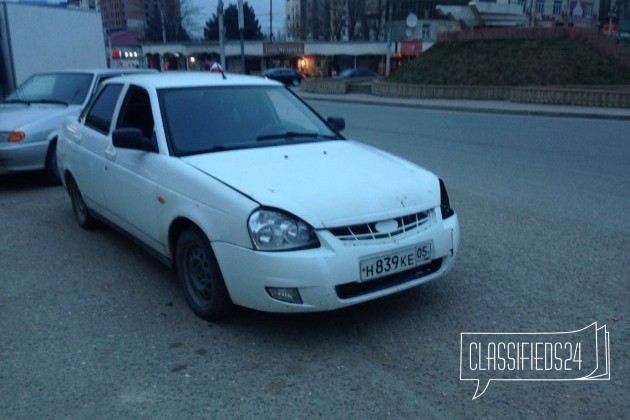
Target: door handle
110	153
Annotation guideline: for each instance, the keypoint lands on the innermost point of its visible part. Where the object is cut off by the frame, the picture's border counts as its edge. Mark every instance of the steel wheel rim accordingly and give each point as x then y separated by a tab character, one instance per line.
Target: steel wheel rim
199	275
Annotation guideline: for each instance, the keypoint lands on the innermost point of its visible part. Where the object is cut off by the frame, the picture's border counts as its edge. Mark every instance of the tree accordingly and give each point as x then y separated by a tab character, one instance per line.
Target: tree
337	21
355	16
169	29
189	11
251	29
624	15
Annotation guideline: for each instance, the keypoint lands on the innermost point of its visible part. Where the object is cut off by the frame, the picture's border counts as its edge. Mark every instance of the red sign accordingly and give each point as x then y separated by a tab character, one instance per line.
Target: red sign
411	48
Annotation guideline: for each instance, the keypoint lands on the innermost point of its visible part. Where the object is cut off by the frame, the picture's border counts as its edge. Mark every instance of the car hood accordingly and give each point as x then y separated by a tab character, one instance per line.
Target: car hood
18	116
327	184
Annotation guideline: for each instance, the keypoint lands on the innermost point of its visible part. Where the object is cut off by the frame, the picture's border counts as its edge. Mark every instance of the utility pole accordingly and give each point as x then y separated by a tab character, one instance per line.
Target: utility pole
534	11
270	20
221	33
163	24
611	14
390	12
241	29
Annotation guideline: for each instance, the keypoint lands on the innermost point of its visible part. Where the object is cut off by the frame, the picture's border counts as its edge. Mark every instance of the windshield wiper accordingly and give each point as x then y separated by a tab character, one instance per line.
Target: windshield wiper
287	135
16	101
50	101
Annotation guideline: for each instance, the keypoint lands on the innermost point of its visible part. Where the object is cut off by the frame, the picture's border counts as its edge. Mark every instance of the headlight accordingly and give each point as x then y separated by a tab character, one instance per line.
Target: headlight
445	203
273	230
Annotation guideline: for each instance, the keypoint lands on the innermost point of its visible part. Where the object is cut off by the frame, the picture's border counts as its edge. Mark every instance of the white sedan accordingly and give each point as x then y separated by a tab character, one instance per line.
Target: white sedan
253	197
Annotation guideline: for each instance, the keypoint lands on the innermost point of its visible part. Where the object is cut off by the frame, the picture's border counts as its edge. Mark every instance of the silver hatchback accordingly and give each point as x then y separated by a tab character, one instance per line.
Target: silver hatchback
30	116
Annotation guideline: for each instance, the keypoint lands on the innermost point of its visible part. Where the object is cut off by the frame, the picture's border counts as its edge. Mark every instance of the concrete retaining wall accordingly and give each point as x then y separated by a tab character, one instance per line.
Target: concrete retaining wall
404	90
601	96
571	96
610	97
329	86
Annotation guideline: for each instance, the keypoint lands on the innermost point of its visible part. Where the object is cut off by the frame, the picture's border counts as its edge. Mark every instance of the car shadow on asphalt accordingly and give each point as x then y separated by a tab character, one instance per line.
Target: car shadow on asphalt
413	304
25	181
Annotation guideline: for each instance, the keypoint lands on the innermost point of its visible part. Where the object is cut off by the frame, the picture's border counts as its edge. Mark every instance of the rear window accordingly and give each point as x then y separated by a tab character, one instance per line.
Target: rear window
99	115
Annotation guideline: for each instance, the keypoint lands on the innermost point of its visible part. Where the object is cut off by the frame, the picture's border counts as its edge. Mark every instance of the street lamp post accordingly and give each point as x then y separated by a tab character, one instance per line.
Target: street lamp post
221	33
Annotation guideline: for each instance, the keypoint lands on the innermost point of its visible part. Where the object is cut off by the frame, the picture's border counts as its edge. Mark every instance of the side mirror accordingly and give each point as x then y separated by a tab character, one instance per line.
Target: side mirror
132	138
338	123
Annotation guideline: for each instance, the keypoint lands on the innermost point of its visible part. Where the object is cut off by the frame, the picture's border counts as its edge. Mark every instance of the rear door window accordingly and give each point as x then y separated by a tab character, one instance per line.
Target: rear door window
136	111
101	111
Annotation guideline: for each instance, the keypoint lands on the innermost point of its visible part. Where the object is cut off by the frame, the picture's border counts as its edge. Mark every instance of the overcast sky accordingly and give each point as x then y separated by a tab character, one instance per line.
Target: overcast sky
261	8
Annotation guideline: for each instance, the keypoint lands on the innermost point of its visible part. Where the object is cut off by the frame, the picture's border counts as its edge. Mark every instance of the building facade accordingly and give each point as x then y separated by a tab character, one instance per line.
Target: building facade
124	15
335	20
354	20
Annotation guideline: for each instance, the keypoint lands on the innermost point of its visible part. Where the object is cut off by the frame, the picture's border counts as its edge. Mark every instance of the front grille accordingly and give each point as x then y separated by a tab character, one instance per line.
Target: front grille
367	231
354	289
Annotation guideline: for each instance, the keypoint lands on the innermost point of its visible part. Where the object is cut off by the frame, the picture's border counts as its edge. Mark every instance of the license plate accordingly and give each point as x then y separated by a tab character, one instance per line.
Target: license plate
395	262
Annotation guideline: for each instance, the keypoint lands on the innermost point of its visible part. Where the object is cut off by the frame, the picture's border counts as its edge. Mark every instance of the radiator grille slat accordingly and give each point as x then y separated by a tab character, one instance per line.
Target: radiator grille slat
368	231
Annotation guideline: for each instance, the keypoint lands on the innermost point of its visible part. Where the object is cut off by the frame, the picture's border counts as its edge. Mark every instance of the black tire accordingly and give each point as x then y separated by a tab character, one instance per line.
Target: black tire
200	276
79	208
51	170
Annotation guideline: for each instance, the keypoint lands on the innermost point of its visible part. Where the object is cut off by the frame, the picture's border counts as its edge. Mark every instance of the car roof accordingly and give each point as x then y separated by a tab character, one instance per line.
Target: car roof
99	71
177	79
281	70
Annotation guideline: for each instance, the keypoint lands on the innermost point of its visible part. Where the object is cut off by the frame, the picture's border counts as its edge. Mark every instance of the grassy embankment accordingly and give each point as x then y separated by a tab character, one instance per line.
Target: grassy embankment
552	62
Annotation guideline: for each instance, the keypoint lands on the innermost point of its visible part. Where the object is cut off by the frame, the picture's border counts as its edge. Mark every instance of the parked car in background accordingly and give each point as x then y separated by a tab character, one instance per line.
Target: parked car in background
253	197
289	77
30	116
357	73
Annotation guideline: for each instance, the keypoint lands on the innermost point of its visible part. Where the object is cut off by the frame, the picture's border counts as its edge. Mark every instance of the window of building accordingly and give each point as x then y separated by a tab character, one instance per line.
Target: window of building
589	10
426	30
557	7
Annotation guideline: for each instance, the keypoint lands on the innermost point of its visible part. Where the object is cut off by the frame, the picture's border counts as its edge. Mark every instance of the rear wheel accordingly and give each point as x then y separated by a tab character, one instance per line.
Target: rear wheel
80	209
200	276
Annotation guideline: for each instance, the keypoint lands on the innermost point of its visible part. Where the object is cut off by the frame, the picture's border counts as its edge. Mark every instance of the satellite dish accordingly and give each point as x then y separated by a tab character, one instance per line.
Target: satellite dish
412	20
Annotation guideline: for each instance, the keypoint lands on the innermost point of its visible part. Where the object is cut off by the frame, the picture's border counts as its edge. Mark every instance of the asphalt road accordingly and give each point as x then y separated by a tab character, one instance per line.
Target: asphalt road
92	327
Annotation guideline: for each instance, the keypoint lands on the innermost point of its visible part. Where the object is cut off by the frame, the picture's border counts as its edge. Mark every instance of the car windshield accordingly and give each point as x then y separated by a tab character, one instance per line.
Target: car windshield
209	119
64	88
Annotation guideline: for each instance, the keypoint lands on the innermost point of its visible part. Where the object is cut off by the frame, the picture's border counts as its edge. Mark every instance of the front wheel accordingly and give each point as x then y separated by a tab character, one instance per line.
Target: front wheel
200	276
51	169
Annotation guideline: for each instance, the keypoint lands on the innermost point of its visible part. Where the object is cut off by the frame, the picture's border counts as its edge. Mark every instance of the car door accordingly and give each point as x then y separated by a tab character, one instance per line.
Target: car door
131	188
87	143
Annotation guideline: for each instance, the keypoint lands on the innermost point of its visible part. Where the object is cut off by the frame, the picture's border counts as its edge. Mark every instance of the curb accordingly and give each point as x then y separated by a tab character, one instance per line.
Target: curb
478	106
